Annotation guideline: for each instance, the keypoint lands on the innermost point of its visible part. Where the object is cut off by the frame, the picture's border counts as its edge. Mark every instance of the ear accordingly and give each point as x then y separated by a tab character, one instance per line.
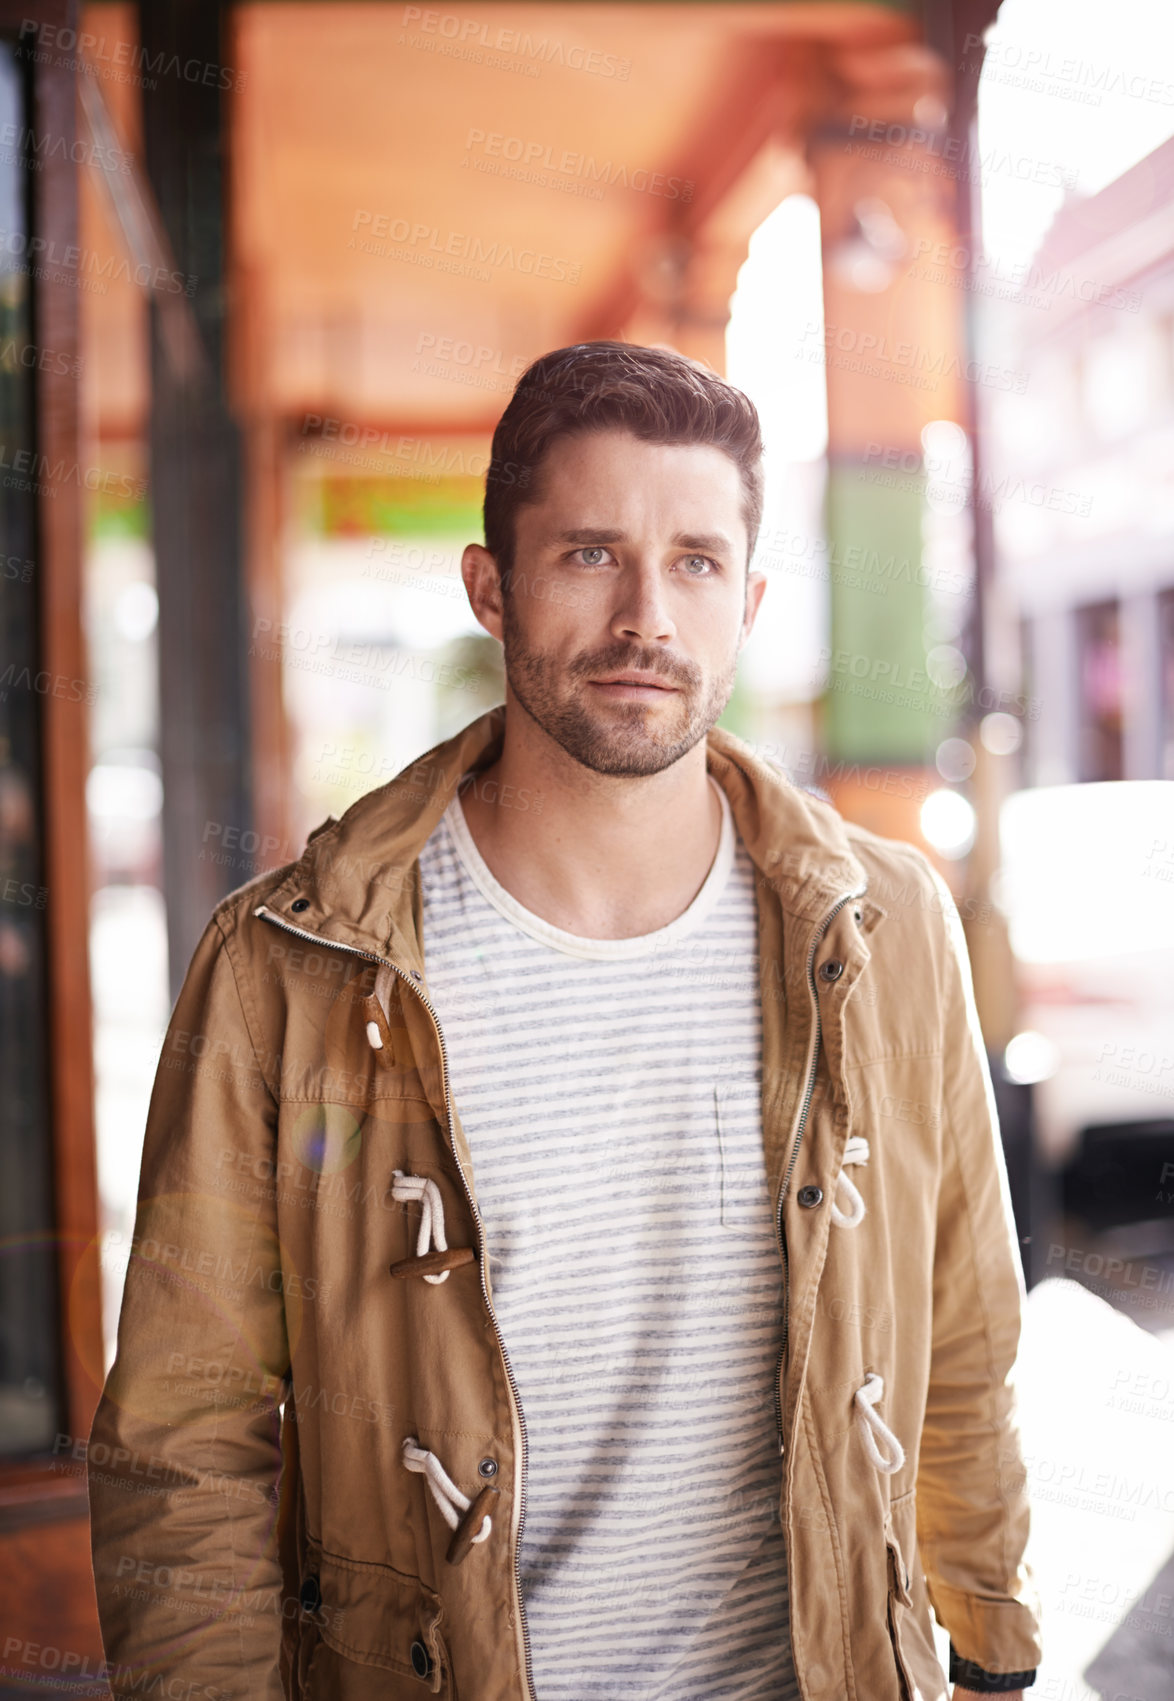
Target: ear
483	586
755	589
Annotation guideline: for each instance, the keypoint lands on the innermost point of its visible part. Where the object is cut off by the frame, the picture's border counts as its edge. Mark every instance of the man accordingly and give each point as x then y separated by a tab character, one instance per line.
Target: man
574	1257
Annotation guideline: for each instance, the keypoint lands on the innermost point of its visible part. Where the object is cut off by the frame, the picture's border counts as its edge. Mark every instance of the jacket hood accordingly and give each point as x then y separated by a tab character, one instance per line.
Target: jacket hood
356	880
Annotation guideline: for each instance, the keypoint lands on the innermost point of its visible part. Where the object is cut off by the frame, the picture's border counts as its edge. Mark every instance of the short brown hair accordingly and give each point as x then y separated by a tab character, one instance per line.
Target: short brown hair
657	394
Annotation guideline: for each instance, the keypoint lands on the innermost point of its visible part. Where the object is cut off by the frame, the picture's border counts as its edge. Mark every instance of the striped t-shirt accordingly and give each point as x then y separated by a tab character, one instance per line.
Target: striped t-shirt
610	1093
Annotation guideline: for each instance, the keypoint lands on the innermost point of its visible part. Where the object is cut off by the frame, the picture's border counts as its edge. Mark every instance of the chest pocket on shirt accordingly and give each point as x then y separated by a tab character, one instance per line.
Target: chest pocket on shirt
740	1202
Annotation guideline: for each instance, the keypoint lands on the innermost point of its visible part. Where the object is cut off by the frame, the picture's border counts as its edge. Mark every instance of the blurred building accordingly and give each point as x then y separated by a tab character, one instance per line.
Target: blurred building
1076	491
1081	485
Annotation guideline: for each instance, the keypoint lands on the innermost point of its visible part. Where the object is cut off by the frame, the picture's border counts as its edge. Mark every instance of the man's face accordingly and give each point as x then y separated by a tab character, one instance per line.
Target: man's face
632	563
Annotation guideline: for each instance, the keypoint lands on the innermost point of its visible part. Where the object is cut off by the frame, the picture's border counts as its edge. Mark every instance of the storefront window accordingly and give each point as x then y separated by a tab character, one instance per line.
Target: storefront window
1166	626
1098	650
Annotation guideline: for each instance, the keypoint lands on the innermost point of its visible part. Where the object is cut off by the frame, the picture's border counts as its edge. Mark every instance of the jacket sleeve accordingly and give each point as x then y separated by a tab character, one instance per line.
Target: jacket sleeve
184	1453
972	1505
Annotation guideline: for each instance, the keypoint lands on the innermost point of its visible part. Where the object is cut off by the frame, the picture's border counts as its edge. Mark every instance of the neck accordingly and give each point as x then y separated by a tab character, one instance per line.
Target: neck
601	855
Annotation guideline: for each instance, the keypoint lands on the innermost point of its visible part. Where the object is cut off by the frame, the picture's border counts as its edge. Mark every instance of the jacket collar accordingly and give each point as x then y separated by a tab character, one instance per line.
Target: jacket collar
356	882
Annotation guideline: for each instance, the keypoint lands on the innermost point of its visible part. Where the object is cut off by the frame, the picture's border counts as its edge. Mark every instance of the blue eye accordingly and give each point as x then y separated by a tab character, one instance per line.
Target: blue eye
595	549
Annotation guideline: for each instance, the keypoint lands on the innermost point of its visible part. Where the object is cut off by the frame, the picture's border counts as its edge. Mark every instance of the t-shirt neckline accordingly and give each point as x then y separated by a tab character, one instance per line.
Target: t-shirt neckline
575	944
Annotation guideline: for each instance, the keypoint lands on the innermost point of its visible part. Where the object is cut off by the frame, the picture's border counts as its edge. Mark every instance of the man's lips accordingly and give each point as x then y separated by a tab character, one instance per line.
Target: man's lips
632	683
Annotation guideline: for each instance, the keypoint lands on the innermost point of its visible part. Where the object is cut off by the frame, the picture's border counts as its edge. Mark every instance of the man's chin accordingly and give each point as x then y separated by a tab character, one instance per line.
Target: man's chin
619	736
636	747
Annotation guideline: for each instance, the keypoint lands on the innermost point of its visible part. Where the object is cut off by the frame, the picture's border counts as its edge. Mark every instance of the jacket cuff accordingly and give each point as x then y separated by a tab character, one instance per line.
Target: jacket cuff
982	1682
1005	1631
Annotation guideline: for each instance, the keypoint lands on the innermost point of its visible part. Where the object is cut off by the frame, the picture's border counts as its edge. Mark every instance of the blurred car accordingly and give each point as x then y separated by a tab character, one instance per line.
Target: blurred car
1087	886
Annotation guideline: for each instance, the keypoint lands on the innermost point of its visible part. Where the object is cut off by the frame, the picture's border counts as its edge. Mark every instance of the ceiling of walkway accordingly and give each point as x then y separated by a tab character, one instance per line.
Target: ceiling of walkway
423	198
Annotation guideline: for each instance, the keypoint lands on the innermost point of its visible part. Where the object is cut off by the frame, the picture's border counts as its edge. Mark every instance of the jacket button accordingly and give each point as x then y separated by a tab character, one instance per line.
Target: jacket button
421	1663
809	1197
311	1595
300	904
488	1467
831	970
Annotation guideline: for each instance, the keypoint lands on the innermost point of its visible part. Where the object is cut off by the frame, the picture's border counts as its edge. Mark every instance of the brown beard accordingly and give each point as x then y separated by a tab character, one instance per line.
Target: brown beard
614	739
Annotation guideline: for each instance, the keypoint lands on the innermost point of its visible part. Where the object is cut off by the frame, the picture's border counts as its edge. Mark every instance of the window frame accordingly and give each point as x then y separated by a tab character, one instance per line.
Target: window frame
35	1487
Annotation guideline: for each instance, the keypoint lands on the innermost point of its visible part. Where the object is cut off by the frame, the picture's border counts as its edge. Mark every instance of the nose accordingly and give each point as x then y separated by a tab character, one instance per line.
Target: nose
641	610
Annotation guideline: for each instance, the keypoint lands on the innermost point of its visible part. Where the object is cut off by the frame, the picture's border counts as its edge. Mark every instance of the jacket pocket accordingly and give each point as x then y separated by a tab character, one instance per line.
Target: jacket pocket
919	1669
376	1633
899	1603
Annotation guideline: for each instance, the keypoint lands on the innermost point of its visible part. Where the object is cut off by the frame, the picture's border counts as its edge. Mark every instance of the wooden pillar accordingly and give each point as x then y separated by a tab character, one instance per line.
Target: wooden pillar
894	353
956	32
265	474
195	490
44	1544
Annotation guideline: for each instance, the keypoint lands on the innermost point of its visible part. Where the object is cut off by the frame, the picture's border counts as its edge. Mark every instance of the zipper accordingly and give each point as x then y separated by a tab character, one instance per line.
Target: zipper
520	1496
800	1126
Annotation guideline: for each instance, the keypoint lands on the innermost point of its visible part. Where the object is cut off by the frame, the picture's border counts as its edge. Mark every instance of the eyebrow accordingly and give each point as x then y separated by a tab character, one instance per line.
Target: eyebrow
590	536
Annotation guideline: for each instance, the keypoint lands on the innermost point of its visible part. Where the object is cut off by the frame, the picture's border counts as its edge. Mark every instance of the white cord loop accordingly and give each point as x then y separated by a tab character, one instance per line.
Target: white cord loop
410	1187
447	1495
855	1152
874	1428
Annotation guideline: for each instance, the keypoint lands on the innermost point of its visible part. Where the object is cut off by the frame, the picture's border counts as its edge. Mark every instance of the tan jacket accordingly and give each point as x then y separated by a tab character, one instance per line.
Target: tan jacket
278	1257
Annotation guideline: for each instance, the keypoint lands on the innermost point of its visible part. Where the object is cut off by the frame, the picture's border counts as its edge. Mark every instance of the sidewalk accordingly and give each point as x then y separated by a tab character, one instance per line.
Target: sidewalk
1097	1413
